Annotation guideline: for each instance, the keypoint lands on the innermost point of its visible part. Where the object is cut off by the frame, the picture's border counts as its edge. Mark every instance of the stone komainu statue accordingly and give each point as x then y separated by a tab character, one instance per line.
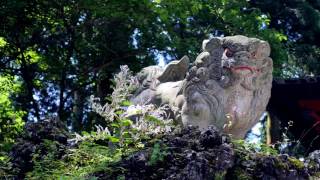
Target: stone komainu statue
228	85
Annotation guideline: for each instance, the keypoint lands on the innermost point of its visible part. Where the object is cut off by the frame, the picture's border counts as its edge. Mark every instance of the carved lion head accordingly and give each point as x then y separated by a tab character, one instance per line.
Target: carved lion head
229	84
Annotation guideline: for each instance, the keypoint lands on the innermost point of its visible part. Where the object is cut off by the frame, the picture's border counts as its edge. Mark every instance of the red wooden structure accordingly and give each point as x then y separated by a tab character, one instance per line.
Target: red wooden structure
297	100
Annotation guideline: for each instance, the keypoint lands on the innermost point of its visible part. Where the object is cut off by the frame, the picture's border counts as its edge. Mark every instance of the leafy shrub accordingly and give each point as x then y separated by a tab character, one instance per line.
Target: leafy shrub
45	150
37	140
158	153
5	166
128	124
11	123
77	163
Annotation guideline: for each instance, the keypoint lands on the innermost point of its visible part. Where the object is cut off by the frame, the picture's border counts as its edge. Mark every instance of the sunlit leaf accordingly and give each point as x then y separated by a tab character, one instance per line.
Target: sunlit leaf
126	122
2	42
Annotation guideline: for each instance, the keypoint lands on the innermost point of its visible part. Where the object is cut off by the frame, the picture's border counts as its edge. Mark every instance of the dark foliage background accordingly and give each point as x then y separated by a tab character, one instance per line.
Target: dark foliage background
58	53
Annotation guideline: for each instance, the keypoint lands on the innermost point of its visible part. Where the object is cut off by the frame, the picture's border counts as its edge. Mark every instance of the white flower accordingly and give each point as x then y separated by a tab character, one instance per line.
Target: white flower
134	110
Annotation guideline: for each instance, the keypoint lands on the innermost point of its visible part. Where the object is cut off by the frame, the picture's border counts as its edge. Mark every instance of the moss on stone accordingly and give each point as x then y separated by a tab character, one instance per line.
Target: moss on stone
282	165
220	175
296	163
315	176
312	164
241	174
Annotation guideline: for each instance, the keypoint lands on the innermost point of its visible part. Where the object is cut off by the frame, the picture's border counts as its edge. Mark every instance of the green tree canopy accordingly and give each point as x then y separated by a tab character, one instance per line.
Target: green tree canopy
64	51
299	21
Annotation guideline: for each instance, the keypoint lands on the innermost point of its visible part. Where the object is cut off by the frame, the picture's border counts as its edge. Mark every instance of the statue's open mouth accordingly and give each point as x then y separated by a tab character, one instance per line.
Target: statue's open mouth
249	68
243	68
228	62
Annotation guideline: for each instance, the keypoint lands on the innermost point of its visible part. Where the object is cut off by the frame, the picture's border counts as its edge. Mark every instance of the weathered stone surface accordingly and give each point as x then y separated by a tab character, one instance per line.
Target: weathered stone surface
189	154
228	85
161	85
193	155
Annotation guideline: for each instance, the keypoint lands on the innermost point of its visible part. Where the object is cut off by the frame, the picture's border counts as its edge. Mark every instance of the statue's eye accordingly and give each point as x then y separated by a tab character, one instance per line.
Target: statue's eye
228	52
253	54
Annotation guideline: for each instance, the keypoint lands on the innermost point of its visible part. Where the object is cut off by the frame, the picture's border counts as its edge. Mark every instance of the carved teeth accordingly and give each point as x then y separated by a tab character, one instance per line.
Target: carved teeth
229	121
228	125
225	126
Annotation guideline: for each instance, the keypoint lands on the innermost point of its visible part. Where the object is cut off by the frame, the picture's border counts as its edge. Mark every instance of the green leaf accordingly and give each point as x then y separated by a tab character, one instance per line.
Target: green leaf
114	139
119	112
85	133
116	125
2	42
281	37
126	122
153	119
126	103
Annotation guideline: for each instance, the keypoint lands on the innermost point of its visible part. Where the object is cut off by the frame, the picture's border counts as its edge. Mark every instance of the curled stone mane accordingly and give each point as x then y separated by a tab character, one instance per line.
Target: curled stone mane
227	86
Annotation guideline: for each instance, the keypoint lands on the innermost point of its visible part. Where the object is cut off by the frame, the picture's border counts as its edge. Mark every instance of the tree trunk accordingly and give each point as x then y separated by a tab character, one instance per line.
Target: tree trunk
77	109
29	83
